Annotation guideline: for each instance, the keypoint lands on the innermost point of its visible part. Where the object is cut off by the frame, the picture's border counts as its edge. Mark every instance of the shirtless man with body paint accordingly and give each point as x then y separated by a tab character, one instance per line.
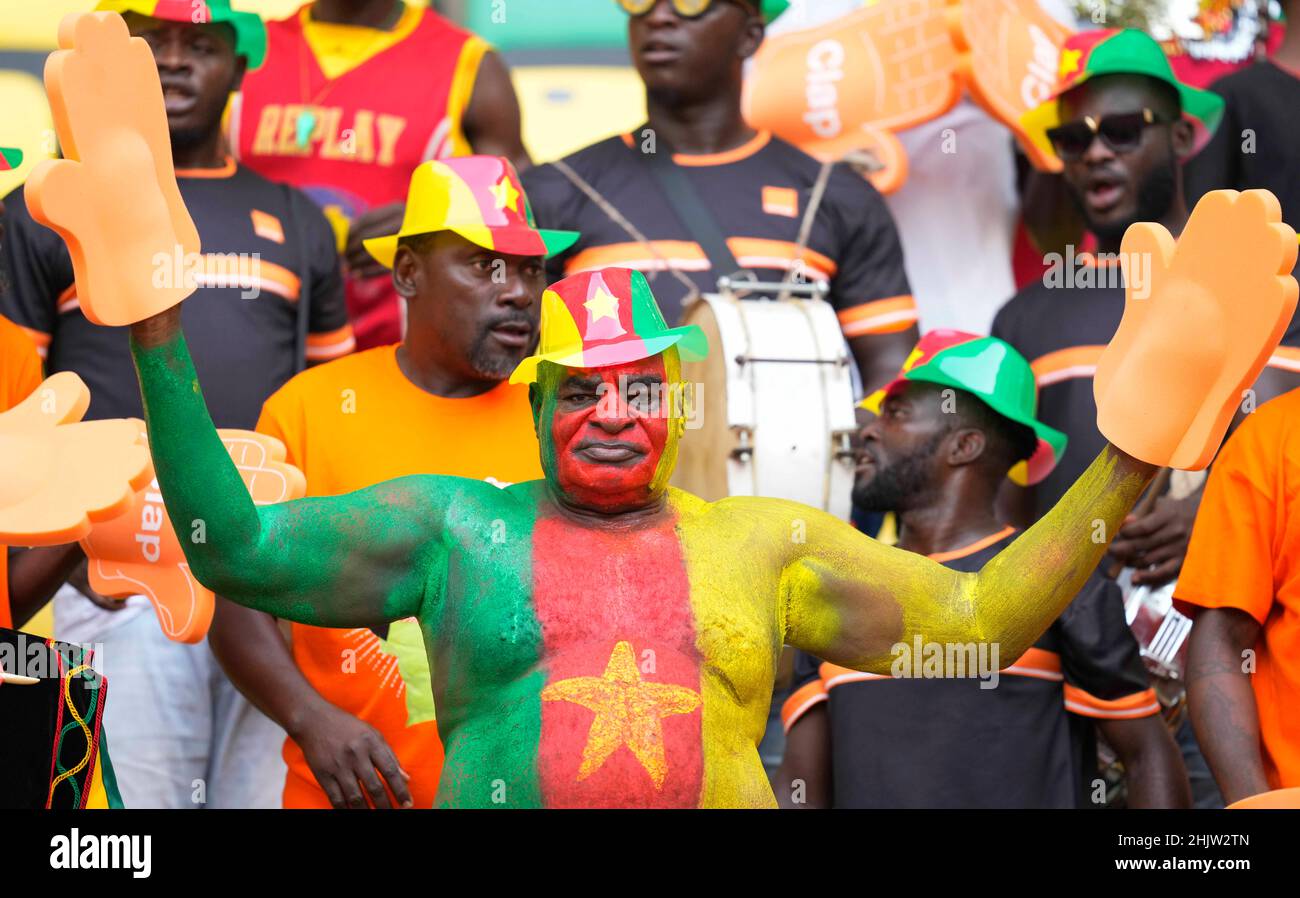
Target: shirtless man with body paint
597	638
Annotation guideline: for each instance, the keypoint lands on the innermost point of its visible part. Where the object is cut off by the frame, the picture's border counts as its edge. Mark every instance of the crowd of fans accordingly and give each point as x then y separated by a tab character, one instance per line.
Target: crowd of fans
297	141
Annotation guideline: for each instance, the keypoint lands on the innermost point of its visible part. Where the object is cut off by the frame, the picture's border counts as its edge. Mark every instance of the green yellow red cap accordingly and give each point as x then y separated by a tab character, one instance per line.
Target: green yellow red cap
602	318
478	197
995	373
250	32
1113	51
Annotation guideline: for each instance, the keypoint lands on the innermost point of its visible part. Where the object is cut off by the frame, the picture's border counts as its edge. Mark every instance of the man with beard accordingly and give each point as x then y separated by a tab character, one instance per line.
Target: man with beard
357	703
1122	125
948	431
757	188
269	299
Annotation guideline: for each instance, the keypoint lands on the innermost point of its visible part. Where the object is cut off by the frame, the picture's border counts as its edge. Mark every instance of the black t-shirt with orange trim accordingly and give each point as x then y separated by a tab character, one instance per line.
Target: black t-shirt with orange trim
947	743
1061	324
758	194
260	242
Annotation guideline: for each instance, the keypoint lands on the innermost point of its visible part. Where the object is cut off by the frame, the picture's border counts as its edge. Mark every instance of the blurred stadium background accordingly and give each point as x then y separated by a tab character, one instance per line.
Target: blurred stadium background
568	57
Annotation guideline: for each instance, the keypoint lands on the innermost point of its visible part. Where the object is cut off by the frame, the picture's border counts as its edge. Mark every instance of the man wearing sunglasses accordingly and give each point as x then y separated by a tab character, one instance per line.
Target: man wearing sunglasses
1123	126
756	187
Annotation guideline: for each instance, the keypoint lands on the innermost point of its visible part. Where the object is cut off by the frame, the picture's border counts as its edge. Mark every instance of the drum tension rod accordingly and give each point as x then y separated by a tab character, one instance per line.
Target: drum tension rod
845	451
744	449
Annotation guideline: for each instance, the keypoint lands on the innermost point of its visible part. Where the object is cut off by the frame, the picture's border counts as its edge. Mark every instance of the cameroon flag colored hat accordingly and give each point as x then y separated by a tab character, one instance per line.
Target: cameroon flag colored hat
10	158
250	33
479	198
992	370
602	318
1114	52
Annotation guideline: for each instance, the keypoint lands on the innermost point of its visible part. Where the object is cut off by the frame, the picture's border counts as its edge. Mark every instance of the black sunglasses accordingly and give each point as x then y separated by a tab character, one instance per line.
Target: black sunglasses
1122	132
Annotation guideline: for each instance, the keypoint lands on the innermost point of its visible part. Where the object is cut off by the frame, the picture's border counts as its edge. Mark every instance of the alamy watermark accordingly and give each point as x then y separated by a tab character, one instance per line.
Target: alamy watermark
651	400
946	660
30	657
193	270
1086	270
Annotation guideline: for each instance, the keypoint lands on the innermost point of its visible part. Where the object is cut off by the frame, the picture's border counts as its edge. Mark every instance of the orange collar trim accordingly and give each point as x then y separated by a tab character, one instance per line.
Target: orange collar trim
225	171
973	547
703	160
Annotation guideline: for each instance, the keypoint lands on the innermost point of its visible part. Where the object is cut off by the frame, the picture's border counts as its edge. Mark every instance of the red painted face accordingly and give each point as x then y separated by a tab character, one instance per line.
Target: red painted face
609	431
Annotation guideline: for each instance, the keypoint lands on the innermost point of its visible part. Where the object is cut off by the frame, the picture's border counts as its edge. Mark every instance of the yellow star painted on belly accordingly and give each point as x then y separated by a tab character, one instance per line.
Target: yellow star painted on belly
505	194
628	711
602	305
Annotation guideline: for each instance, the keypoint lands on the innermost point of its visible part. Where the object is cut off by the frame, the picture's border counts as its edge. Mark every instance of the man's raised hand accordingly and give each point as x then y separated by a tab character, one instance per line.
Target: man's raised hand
114	199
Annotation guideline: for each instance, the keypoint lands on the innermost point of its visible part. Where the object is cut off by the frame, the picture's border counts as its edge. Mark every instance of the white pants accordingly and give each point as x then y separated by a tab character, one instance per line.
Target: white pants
179	733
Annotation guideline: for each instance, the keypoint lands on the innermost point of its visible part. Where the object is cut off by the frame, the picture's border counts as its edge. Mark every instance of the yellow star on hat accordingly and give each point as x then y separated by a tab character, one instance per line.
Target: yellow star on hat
505	195
1069	62
602	305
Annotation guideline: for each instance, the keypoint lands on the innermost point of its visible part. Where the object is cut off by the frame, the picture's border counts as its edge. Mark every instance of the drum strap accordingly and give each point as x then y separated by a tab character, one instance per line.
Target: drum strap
694	216
805	226
622	221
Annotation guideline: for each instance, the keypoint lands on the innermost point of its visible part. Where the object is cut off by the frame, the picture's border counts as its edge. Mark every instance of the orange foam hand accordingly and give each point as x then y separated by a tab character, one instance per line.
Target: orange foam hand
850	83
1278	799
60	473
1008	56
1201	319
114	199
139	553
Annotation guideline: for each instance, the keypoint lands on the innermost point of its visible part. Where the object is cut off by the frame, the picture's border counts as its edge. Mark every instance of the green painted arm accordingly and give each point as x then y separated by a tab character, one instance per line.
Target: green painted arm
849	599
345	561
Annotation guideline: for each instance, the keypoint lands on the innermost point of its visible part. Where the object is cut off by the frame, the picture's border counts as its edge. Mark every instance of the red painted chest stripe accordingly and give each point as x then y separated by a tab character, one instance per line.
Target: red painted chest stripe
622	705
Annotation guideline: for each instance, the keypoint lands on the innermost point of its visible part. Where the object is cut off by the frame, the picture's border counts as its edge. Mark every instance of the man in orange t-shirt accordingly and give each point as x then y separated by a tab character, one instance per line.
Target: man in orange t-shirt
358	704
1241	580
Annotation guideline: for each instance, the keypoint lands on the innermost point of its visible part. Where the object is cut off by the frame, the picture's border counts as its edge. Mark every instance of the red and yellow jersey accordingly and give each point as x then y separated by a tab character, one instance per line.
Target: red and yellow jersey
347	113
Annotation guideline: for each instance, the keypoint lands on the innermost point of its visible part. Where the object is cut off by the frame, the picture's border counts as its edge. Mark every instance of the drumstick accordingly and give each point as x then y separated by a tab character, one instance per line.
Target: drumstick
1143	507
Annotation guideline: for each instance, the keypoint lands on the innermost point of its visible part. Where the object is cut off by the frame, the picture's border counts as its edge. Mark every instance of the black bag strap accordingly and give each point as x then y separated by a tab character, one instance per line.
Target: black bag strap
691	212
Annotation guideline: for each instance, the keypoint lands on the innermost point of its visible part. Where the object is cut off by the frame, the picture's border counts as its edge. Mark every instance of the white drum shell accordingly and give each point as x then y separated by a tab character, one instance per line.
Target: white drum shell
788	403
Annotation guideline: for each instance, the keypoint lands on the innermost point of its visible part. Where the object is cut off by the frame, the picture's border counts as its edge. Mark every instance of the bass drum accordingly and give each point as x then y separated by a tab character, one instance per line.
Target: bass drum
774	411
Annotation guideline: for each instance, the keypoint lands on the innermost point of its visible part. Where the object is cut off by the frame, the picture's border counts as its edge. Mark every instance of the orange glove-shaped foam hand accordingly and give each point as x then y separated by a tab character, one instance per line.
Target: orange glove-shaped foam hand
1201	319
139	553
114	199
1008	55
61	475
850	83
